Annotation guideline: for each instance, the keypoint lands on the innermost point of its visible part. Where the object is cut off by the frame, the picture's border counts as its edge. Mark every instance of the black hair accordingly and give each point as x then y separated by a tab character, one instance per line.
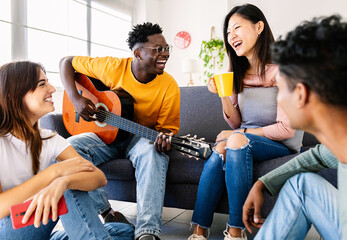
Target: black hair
239	65
315	54
140	32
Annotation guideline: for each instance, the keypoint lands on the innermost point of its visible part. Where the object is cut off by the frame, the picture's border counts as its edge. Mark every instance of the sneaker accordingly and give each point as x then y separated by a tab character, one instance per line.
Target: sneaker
117	217
196	237
148	237
228	237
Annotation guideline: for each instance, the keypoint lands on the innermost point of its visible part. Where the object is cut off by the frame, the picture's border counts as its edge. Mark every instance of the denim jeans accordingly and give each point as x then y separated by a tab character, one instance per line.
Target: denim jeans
304	199
342	179
150	172
236	175
79	223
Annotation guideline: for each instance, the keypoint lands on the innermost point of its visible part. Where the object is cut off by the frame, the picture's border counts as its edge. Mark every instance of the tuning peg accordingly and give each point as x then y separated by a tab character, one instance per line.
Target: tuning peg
202	139
194	137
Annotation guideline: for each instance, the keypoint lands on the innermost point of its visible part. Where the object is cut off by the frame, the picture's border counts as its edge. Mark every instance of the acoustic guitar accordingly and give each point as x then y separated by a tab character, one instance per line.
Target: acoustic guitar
115	112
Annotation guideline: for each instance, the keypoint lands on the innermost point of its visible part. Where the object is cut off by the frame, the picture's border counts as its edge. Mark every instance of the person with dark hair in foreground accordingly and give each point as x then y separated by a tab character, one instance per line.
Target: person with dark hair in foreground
312	80
156	105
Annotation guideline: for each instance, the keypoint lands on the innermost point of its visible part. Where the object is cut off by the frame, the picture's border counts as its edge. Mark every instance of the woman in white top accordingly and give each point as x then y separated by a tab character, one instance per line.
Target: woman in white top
40	165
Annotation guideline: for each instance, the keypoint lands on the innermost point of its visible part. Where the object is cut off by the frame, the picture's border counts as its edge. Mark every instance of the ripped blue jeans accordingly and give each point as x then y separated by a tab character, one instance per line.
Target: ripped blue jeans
236	175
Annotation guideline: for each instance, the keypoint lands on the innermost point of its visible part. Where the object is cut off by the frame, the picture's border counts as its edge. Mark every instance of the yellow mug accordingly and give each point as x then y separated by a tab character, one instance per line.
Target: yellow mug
224	83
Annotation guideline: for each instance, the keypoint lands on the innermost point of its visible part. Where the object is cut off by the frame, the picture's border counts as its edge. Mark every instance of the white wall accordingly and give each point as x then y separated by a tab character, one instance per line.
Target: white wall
284	15
58	99
193	16
197	17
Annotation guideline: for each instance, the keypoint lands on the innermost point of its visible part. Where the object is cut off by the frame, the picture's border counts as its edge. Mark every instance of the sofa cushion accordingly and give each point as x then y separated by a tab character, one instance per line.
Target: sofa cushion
118	169
183	169
261	168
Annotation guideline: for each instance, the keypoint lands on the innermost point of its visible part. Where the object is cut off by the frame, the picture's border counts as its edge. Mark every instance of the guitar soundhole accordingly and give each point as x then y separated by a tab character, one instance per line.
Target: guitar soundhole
101	114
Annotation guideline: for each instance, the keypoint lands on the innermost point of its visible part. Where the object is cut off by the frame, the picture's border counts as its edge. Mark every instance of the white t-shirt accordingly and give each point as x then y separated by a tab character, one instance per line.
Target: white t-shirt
15	158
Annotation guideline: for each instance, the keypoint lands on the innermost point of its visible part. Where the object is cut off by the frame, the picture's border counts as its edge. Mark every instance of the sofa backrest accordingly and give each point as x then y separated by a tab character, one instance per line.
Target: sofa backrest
54	122
201	113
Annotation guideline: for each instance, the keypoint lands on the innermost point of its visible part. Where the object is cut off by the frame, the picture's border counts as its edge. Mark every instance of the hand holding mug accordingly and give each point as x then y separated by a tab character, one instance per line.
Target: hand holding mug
211	85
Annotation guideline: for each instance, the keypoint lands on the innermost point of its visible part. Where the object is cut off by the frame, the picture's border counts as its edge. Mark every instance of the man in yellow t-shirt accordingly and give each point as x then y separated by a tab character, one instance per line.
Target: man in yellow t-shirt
156	105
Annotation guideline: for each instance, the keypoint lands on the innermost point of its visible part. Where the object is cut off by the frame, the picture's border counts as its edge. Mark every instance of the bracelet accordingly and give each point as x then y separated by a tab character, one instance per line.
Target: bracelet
244	130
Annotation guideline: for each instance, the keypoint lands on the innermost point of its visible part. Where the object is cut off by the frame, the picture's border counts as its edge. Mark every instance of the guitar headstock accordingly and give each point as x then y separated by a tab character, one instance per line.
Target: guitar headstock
192	146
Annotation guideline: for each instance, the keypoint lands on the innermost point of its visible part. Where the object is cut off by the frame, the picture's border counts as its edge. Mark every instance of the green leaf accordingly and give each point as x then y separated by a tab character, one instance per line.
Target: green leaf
206	49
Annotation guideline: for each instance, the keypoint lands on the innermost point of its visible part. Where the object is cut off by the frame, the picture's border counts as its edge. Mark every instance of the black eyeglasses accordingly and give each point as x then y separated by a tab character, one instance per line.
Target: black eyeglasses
160	49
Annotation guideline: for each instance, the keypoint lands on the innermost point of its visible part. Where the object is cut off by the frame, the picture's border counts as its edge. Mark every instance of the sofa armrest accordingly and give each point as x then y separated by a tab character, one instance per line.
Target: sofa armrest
54	122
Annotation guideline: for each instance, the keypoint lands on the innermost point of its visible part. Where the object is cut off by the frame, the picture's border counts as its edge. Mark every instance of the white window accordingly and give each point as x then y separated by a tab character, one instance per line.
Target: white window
109	32
5	29
45	31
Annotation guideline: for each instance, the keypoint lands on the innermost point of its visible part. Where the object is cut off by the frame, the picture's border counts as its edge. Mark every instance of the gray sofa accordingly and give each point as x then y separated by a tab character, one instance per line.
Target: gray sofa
201	115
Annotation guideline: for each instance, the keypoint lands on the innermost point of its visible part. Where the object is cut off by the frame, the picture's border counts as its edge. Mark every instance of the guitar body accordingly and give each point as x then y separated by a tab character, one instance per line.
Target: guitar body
118	103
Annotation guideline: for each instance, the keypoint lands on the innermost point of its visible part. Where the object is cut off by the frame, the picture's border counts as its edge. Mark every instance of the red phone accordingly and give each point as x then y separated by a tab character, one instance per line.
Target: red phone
18	211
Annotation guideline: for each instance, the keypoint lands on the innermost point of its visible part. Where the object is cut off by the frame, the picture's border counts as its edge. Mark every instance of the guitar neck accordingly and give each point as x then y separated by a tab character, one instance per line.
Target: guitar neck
127	125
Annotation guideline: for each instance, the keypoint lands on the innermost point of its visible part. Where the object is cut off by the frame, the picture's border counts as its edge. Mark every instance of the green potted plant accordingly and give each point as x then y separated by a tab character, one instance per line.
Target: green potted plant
212	54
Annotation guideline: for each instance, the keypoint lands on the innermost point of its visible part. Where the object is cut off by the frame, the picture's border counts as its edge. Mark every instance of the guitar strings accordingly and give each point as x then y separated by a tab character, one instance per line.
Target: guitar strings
123	122
150	134
126	124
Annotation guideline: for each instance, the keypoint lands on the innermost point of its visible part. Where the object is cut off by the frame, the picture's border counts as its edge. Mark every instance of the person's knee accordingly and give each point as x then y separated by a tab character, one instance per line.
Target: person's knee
73	140
147	156
305	180
236	141
220	148
149	151
81	139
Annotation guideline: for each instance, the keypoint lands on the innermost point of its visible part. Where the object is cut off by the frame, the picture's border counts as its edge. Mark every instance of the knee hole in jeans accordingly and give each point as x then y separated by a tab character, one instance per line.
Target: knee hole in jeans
220	148
237	141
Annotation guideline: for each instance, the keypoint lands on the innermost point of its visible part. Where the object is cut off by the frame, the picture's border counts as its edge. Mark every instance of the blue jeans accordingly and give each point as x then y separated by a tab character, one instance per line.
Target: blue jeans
79	223
150	172
236	175
304	199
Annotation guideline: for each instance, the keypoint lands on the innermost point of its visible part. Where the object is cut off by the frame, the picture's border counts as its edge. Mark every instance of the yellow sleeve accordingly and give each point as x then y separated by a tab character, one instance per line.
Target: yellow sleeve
92	67
98	67
169	114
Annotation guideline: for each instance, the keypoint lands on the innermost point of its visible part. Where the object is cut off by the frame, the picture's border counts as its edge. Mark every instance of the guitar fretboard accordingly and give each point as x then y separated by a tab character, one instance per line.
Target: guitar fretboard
126	125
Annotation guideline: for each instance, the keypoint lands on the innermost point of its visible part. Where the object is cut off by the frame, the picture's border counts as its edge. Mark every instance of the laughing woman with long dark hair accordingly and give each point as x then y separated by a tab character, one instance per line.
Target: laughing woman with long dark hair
260	128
